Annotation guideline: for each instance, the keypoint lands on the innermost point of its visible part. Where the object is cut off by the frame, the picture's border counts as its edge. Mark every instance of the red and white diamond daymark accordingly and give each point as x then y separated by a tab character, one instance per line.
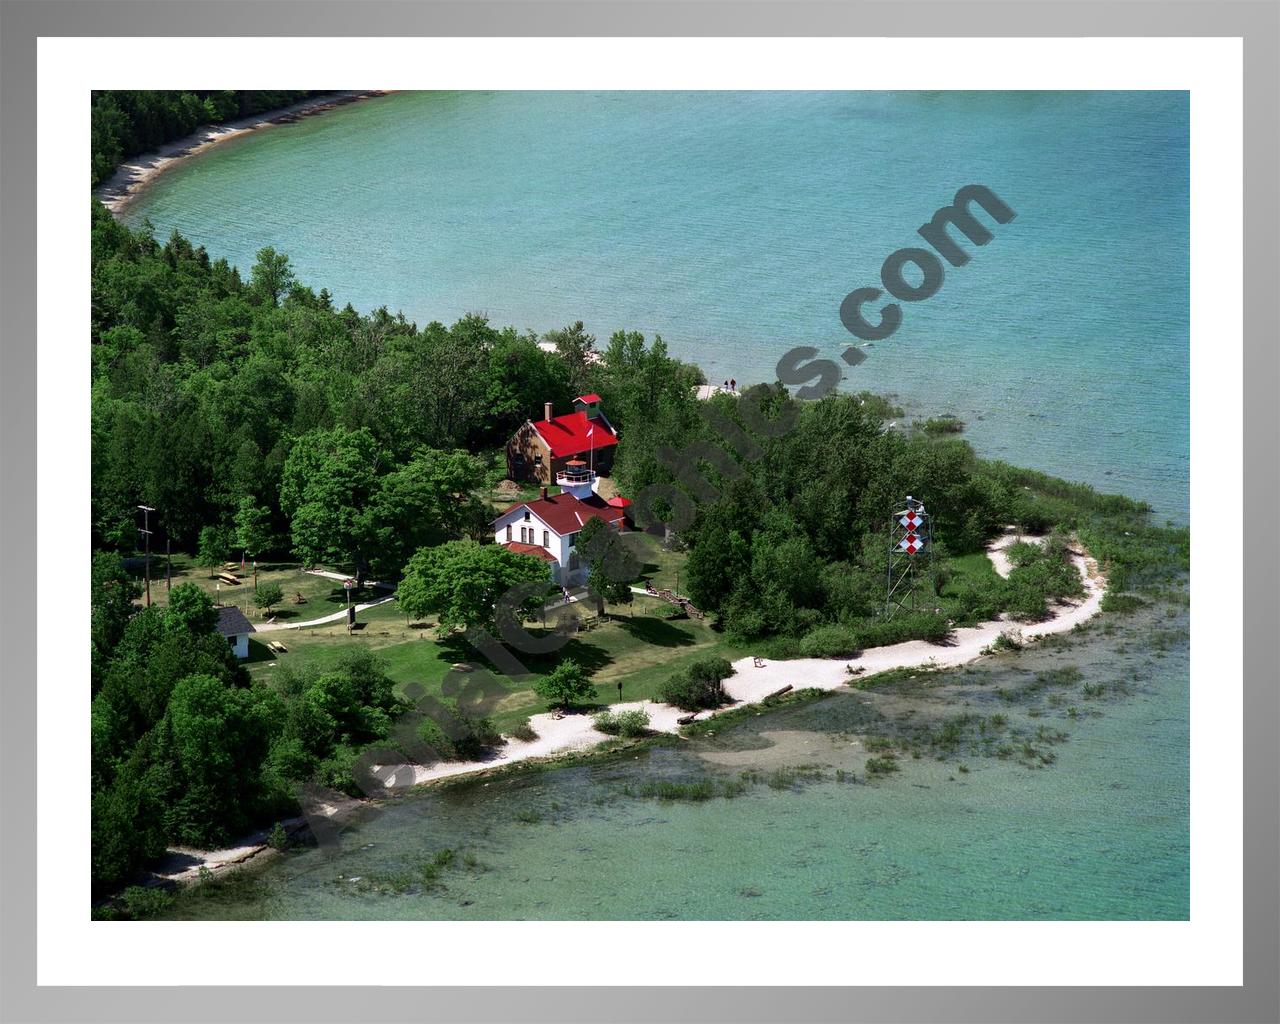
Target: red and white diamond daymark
911	544
911	520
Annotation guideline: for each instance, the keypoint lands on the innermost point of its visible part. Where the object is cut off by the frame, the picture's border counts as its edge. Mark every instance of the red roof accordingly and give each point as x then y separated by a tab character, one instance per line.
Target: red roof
530	549
590	399
566	514
567	435
618	501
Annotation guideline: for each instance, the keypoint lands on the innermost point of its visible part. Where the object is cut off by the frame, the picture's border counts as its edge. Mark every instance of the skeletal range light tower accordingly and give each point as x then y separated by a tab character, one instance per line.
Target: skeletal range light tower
910	557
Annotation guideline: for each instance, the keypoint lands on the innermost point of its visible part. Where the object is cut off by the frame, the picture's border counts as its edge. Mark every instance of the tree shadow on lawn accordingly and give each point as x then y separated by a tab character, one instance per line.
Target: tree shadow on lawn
592	658
338	595
656	631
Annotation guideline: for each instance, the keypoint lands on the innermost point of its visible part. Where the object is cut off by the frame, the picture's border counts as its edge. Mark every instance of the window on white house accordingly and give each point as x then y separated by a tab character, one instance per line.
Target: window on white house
508	532
546	539
524	535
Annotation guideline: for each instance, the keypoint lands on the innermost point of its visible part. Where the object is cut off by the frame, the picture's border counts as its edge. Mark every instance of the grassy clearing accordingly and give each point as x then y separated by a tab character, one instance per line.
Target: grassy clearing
638	647
664	568
321	595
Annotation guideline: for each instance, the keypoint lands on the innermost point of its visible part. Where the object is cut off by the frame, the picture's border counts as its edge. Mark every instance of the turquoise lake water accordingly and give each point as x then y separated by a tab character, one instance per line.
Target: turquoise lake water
734	224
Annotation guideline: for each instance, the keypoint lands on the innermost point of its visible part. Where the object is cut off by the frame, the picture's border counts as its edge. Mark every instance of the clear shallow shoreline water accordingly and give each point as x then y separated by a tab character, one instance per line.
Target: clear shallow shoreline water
734	223
1099	834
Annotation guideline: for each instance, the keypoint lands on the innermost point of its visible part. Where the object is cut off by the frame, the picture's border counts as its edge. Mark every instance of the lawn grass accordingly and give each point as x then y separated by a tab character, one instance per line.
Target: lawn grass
664	568
634	645
323	596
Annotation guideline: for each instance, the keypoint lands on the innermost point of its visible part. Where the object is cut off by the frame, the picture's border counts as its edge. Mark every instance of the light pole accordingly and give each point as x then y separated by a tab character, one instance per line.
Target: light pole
146	532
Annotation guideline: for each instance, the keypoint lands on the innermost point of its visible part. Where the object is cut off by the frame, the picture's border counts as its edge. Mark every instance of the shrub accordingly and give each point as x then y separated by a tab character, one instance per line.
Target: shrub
1008	641
832	641
566	686
699	686
145	901
710	670
936	426
278	838
478	737
268	594
524	731
627	724
459	737
337	771
911	626
430	733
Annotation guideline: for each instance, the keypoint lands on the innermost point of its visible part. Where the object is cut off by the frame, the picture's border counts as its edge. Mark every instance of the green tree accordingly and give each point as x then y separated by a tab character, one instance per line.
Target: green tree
214	546
425	502
328	479
577	351
463	581
190	608
611	567
253	528
565	686
521	377
268	594
112	593
216	739
271	276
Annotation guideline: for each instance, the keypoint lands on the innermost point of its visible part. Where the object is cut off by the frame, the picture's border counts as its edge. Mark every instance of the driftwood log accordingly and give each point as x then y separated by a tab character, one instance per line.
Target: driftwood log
686	719
779	693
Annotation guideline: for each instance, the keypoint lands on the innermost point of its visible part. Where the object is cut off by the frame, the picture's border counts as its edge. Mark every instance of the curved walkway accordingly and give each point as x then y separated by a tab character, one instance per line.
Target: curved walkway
338	616
268	627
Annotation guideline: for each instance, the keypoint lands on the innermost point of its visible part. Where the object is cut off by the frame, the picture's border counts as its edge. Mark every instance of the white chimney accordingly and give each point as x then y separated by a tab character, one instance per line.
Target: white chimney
546	411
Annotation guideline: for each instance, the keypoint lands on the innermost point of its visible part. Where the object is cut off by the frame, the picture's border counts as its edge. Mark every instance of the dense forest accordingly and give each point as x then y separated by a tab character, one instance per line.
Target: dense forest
124	123
254	415
257	416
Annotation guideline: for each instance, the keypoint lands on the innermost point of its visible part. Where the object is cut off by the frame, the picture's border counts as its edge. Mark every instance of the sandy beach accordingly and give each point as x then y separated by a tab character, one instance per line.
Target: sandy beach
132	176
750	684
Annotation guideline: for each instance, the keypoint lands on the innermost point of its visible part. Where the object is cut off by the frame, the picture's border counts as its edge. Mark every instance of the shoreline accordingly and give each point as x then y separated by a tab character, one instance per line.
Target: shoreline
133	176
560	737
751	684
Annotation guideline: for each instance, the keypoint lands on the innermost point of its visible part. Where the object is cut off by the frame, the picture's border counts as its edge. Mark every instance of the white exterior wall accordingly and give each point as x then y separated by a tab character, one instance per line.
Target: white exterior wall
240	645
559	545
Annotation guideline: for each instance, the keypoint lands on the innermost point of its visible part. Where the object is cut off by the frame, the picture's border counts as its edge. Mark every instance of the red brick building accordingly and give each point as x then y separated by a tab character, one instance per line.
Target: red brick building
541	449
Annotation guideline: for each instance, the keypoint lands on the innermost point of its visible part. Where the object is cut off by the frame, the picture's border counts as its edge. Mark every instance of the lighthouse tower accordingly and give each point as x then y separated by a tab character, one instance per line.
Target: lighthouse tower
577	479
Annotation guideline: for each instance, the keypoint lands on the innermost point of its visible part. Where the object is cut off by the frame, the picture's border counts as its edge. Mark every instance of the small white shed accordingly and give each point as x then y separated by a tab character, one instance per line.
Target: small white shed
236	628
